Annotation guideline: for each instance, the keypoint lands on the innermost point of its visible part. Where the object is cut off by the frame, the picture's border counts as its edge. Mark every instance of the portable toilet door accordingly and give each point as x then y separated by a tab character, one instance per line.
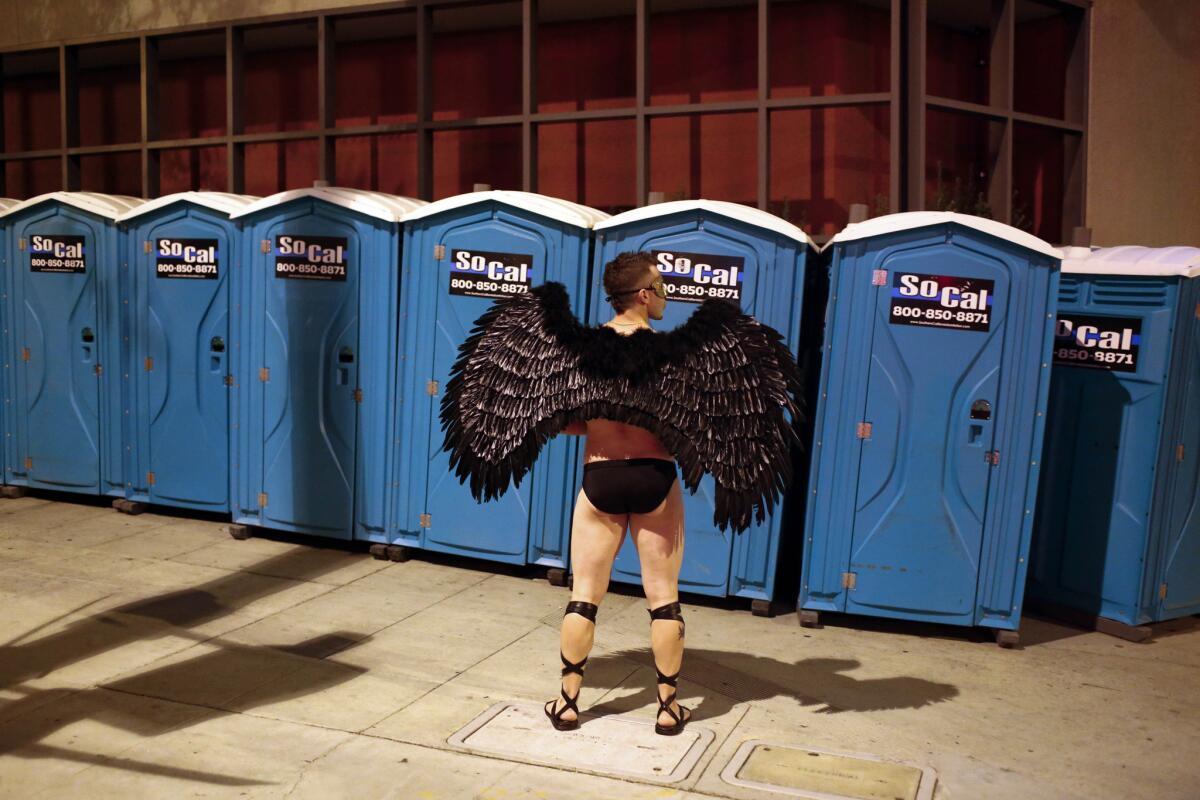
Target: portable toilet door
929	425
63	395
1117	537
314	341
5	205
714	249
460	255
178	255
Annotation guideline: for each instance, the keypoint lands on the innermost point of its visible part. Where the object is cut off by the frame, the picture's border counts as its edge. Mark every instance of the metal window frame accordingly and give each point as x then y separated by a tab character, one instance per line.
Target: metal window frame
907	100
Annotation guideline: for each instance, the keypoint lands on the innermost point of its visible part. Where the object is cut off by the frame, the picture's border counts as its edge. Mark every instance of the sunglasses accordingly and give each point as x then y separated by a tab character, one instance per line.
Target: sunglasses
657	286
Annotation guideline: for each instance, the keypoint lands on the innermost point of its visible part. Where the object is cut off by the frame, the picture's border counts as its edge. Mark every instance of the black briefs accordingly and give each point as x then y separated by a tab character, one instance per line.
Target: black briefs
628	486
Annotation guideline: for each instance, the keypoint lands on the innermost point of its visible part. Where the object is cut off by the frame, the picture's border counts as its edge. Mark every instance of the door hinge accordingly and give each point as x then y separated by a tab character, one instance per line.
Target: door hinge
358	395
149	478
146	248
1179	452
864	430
99	370
265	246
28	462
849	580
25	354
431	388
879	277
992	457
426	520
1162	592
20	244
439	252
264	374
149	364
229	380
262	499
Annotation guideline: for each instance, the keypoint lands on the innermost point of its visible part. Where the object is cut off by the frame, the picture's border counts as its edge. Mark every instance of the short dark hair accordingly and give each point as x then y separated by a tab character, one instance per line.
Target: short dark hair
625	274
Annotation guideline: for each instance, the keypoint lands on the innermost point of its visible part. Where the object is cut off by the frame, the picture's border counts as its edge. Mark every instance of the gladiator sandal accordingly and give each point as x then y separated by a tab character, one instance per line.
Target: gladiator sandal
669	612
588	612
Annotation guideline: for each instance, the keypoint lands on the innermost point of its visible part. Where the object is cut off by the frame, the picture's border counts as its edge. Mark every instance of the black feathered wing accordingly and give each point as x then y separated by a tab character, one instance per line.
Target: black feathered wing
720	392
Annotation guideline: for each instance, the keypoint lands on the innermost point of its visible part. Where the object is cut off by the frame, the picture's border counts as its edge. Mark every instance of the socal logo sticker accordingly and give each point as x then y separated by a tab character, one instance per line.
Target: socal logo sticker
478	273
186	258
311	258
942	301
696	277
57	253
1109	343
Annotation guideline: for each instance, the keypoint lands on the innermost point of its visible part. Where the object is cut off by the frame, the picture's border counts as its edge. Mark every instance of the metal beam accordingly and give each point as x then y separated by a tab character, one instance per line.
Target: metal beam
68	105
148	60
424	80
642	71
529	18
915	21
326	98
235	153
763	148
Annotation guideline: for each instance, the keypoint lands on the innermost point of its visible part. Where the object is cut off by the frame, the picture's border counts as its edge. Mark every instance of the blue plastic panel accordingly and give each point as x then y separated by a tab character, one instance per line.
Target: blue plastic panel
772	278
179	346
66	320
914	508
529	523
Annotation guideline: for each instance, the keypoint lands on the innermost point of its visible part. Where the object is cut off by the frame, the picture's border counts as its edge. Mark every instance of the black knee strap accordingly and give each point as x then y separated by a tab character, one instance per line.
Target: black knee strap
669	611
585	610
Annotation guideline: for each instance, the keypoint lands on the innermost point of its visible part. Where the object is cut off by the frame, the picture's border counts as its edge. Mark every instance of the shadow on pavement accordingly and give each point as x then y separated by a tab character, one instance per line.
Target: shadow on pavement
737	677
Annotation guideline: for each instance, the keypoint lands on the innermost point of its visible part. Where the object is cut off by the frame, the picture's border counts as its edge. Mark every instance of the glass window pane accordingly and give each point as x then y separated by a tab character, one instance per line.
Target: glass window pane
376	70
961	151
593	163
112	173
31	177
463	158
586	55
477	61
703	51
823	160
958	45
277	166
31	113
191	86
110	94
709	156
280	78
830	47
193	169
381	163
1043	162
1047	61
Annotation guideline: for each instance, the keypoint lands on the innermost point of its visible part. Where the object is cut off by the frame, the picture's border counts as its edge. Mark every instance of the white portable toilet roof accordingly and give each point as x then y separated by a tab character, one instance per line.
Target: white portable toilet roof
909	220
223	202
387	207
7	203
1130	260
110	206
551	207
722	208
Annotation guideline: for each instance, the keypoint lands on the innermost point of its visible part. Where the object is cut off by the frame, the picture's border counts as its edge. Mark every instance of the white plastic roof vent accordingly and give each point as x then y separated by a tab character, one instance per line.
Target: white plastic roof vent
109	206
1138	261
550	207
891	223
387	207
721	208
222	202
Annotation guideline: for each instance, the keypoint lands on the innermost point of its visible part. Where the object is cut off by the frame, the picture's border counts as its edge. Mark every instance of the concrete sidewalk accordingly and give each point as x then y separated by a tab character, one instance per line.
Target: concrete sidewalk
154	656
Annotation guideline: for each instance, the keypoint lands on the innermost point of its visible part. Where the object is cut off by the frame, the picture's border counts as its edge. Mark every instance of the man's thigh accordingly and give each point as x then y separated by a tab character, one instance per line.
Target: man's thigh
595	539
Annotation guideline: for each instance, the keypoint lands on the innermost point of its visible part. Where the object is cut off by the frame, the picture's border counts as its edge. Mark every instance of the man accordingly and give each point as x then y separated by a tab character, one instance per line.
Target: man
629	483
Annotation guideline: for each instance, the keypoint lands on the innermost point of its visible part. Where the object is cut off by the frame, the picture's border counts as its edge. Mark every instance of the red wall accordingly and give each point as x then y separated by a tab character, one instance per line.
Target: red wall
31	116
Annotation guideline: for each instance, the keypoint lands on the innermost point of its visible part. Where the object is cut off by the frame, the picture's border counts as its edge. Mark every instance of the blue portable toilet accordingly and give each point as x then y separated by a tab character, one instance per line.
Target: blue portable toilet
5	204
314	341
1117	536
929	423
715	249
63	395
178	256
460	254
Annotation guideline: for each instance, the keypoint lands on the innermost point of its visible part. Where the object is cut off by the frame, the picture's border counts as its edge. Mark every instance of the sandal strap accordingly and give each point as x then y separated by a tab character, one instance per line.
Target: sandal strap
571	668
669	680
